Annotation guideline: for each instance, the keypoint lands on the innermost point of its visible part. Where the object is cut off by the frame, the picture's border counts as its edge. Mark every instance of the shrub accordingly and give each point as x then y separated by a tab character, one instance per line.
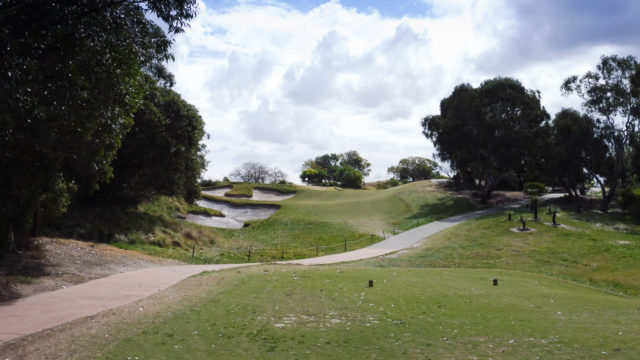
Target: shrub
630	200
534	188
382	185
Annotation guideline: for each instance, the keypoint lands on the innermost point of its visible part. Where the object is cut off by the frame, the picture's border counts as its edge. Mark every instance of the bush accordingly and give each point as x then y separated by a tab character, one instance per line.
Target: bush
534	188
630	200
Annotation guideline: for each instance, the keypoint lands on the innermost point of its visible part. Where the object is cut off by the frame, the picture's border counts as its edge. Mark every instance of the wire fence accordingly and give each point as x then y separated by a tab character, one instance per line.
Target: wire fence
259	253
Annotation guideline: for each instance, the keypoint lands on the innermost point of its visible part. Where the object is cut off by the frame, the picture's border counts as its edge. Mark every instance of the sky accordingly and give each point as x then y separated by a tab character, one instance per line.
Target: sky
280	82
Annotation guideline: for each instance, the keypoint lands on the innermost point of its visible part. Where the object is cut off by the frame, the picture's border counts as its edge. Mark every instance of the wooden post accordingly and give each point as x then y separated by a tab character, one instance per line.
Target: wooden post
316	250
193	251
495	282
370	283
371	242
282	256
345	245
249	253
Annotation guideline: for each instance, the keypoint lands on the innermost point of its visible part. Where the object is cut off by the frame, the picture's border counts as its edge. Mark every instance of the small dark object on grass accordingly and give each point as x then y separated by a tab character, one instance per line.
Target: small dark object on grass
495	282
509	213
555	212
370	283
524	224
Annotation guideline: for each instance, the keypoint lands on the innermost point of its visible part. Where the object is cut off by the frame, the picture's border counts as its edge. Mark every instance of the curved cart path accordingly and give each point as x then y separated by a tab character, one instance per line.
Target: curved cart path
45	310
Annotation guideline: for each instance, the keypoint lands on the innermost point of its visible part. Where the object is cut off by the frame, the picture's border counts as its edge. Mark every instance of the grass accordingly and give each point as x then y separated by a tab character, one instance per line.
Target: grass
320	222
294	312
314	222
564	293
601	250
240	190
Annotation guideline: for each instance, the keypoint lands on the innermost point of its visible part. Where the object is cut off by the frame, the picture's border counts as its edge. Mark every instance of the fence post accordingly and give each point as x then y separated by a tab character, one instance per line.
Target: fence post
282	256
371	242
250	253
316	250
193	251
345	245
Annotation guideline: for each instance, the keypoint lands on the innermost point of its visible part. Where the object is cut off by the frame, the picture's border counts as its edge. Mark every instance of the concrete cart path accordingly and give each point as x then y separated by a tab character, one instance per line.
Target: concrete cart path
45	310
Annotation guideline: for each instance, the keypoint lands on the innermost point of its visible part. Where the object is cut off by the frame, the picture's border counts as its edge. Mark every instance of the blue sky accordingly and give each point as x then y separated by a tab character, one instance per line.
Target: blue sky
391	8
280	82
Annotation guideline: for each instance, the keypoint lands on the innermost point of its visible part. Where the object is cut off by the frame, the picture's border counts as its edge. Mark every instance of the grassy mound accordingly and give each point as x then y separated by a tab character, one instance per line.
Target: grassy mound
294	312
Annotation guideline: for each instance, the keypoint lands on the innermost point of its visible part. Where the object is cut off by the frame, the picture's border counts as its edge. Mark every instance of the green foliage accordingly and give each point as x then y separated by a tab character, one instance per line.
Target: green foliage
350	177
70	85
313	176
489	131
387	184
414	168
162	153
608	96
534	188
347	169
575	146
630	199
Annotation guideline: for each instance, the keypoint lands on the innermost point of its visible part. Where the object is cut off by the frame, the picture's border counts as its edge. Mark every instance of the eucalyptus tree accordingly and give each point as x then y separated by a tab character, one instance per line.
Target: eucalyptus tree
70	84
609	96
488	132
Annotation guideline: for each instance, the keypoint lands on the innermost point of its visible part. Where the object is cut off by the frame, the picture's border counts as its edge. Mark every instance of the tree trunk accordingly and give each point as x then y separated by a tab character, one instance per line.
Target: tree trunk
488	189
11	240
607	197
35	227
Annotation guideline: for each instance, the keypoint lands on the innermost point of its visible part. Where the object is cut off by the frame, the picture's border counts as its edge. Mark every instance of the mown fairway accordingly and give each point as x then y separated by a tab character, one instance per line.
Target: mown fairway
329	312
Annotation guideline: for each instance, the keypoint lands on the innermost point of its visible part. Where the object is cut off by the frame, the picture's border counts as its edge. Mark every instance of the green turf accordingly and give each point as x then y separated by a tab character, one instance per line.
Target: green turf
597	249
330	313
314	222
319	222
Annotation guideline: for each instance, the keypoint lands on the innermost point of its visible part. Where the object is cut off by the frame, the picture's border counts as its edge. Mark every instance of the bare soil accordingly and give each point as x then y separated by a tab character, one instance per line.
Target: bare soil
52	264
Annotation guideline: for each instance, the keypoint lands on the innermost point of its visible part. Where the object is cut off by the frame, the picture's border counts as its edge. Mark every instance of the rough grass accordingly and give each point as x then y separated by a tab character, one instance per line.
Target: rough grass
598	249
329	312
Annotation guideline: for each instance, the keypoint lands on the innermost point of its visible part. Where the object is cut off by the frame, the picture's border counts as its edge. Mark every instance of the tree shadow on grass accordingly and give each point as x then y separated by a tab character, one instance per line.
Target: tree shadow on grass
444	208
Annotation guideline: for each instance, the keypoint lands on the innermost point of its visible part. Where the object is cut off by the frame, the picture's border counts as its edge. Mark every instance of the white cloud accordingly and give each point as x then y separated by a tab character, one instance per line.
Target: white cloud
279	86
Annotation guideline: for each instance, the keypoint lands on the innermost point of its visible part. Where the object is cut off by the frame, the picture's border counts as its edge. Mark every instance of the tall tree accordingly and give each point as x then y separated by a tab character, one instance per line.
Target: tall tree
607	95
488	131
70	85
576	151
162	153
352	159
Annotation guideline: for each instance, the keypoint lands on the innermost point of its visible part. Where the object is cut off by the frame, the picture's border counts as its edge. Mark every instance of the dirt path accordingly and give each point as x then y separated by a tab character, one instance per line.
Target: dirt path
53	264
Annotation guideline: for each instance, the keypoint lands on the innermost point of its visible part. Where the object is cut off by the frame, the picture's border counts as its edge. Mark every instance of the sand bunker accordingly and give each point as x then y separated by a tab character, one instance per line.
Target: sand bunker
218	191
235	215
258	194
270	195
